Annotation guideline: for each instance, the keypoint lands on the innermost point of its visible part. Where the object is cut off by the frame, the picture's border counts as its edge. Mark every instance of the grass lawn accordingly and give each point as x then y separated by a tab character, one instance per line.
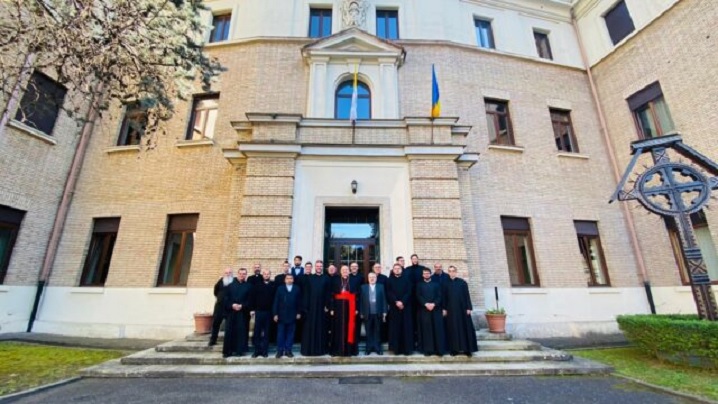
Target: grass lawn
633	363
23	366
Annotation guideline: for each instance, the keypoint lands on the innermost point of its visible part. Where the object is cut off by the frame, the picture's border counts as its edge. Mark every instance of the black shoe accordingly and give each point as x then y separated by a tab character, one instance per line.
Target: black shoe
290	354
212	343
367	353
254	355
380	353
279	354
225	356
265	355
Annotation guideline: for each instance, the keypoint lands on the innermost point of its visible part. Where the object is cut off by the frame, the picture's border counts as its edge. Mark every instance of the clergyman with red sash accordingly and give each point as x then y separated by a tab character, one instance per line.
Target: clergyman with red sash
345	307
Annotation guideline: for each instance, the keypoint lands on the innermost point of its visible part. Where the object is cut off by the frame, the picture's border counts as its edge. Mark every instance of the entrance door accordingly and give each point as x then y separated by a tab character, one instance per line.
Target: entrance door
345	251
351	235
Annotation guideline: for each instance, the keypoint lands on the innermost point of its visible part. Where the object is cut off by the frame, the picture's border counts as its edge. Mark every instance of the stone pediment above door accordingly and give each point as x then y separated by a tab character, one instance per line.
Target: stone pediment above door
334	59
354	43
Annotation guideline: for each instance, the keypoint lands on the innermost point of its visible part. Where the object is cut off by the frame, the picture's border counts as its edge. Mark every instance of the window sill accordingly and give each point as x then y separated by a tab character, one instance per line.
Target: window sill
194	143
683	289
601	290
168	290
528	291
514	149
572	155
32	132
122	149
88	290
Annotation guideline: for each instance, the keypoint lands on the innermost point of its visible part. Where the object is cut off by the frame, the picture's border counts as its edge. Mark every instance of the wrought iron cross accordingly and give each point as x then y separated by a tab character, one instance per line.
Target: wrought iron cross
675	190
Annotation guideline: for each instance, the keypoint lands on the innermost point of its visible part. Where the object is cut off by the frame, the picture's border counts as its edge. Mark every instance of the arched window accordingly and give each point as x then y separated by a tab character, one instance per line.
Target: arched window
343	100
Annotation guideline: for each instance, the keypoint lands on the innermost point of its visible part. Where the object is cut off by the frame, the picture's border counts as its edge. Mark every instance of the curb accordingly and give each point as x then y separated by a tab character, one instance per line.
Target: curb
667	390
38	389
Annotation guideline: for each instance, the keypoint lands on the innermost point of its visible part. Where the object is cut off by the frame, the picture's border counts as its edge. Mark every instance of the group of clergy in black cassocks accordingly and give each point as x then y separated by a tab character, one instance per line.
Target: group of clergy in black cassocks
423	311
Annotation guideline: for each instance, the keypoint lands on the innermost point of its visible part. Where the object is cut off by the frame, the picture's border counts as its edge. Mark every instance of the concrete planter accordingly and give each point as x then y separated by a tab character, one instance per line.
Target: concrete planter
202	323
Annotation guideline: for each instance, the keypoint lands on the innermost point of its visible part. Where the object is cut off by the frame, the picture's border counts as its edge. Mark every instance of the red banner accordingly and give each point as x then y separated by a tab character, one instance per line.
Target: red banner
351	299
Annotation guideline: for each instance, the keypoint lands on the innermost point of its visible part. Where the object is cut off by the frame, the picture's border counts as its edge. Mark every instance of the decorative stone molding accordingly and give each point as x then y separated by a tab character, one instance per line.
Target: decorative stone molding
354	13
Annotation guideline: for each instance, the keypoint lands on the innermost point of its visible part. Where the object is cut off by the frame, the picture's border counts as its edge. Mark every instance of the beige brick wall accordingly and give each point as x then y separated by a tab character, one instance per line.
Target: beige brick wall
679	51
33	173
234	229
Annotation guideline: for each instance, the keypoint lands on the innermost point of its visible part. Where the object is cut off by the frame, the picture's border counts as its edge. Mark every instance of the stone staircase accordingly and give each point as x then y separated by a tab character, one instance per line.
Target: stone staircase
498	354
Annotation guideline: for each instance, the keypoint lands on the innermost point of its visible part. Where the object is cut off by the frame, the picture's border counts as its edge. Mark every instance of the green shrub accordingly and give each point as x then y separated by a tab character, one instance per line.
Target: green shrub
675	337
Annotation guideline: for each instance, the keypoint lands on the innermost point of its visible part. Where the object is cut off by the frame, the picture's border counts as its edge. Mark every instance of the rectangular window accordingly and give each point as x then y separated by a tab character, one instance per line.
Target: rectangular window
484	33
177	255
543	47
10	220
99	255
41	103
133	125
619	22
204	117
220	27
320	22
594	262
519	251
650	112
563	131
499	122
387	24
705	242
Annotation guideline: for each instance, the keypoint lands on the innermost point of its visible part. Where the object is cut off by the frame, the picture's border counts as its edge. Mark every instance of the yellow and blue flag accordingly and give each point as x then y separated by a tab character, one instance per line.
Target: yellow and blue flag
353	108
435	101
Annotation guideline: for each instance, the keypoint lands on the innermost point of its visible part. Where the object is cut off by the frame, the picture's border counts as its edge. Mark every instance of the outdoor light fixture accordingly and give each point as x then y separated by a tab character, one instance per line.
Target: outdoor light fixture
354	186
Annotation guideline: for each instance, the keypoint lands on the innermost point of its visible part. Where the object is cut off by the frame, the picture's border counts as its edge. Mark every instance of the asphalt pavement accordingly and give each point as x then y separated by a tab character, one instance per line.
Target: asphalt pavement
416	390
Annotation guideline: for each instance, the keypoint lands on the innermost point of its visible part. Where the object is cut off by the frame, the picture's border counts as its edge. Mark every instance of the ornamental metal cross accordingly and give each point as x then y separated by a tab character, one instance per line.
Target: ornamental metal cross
675	190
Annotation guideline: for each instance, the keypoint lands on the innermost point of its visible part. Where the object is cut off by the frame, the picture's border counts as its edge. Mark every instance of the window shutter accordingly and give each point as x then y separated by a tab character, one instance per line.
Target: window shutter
515	223
585	228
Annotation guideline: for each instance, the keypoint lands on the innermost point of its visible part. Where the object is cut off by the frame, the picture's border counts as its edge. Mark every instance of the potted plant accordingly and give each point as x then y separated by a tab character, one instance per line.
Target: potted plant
202	322
496	318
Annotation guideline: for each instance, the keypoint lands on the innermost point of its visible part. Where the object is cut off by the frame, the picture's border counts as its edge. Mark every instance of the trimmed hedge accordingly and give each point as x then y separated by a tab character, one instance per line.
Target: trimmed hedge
676	338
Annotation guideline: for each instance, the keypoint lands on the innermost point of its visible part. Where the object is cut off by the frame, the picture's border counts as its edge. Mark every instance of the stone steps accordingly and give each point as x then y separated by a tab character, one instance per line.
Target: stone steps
499	354
576	366
152	357
201	346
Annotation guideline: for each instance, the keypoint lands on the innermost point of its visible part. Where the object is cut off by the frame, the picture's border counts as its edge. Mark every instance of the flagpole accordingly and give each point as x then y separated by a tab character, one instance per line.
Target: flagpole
354	126
432	130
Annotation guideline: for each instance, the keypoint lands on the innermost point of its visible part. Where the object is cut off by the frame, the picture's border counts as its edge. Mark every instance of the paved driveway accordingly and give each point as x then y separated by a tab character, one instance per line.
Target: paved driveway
417	390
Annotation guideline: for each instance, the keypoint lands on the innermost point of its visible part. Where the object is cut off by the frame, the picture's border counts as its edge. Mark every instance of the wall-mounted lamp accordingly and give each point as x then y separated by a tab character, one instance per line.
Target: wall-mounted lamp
354	186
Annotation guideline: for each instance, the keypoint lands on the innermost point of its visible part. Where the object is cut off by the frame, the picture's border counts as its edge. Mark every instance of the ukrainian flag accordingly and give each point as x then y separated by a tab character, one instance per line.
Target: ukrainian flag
435	102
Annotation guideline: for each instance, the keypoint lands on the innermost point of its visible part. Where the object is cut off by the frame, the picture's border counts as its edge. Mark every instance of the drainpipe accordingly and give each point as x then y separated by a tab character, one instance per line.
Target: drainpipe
630	224
59	224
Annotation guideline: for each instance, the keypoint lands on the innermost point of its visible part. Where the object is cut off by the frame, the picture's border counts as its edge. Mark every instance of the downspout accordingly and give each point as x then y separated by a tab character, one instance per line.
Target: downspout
630	224
62	210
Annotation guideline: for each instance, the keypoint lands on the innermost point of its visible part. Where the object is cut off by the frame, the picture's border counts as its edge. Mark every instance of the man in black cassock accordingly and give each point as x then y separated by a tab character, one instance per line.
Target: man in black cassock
431	322
236	308
414	273
461	335
440	277
301	281
399	294
256	276
345	308
218	315
381	279
262	301
315	290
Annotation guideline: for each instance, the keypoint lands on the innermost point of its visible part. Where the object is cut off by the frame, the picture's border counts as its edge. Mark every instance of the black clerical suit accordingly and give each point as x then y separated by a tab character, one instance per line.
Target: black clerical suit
236	332
262	301
373	310
357	281
218	313
287	305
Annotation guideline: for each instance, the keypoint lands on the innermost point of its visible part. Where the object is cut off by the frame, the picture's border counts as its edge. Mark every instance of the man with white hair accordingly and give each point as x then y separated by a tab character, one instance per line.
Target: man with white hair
218	315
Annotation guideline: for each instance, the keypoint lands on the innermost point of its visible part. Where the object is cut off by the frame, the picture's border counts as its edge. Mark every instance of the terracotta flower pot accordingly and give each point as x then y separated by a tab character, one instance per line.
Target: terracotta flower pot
497	322
202	323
